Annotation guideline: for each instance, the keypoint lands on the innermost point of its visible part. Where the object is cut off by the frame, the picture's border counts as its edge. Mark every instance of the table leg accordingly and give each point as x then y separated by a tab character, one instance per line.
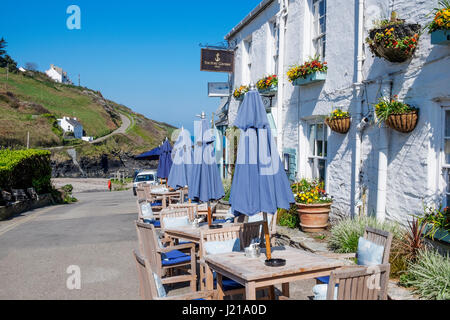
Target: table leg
250	291
209	278
164	204
220	293
285	290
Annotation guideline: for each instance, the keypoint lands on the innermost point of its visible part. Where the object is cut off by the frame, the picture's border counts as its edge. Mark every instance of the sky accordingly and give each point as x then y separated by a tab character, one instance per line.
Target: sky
143	54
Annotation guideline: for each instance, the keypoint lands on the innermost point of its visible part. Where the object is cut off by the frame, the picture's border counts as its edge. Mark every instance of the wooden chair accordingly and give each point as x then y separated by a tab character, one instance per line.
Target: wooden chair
380	237
156	214
272	225
191	207
148	288
360	283
152	199
140	191
250	231
151	250
174	213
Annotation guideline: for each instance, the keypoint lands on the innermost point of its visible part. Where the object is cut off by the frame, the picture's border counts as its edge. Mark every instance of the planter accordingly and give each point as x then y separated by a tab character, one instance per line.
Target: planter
440	37
269	91
313	217
404	123
310	78
241	98
393	54
441	234
339	125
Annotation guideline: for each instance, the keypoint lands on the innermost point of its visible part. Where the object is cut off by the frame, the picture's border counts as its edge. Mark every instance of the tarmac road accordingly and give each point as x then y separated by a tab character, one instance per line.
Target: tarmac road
97	234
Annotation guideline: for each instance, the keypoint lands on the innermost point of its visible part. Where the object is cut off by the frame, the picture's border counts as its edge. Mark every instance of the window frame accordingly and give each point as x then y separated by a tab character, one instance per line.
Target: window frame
445	167
316	38
313	158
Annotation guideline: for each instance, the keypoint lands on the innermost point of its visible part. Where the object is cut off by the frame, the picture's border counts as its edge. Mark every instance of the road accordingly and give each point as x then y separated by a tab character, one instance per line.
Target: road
97	234
126	123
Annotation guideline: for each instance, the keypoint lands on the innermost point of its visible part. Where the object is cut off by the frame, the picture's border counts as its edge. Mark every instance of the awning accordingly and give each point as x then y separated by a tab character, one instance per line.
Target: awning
150	155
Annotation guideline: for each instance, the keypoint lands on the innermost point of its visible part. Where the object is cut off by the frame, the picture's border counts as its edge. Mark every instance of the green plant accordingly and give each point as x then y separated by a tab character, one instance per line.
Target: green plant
338	114
267	82
429	275
310	192
346	233
436	219
289	218
227	189
386	108
441	19
309	67
406	248
239	92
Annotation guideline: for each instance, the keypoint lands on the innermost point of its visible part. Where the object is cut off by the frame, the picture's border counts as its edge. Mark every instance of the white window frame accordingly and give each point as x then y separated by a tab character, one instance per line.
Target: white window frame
315	26
445	167
247	70
274	27
313	159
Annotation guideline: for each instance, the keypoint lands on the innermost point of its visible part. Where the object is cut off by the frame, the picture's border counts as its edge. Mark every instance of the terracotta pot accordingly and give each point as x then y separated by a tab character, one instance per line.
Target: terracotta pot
405	122
314	217
339	125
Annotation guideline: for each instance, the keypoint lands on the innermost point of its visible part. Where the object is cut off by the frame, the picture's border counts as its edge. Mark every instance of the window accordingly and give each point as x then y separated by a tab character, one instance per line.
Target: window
318	142
446	166
319	12
248	58
275	30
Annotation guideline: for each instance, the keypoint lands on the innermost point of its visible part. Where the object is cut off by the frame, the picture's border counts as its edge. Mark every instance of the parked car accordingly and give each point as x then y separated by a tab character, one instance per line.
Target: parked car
145	177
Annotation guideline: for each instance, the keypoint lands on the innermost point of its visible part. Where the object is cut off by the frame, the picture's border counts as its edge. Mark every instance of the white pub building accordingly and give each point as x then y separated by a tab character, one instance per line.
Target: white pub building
372	169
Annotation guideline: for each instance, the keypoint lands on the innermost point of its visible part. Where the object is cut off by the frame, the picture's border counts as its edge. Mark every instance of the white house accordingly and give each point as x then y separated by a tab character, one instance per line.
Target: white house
371	170
58	74
71	125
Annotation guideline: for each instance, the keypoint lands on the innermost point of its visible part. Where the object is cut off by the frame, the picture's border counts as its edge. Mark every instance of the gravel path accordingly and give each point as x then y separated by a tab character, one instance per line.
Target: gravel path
83	185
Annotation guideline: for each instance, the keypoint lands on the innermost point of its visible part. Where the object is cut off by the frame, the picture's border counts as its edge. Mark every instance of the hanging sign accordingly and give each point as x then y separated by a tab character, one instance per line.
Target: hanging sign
213	60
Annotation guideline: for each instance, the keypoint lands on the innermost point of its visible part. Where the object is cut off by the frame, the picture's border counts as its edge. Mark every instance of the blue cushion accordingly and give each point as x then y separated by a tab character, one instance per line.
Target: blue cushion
227	283
156	223
325	280
369	253
174	257
218	247
320	292
159	286
157	203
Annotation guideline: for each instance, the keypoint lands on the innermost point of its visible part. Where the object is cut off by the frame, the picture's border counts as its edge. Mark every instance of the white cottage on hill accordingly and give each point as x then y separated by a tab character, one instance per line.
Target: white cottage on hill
58	74
371	169
71	125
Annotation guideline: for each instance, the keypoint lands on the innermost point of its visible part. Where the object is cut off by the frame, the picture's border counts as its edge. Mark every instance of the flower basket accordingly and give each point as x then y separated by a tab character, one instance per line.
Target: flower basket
269	91
395	43
240	98
440	37
404	122
339	125
314	217
310	78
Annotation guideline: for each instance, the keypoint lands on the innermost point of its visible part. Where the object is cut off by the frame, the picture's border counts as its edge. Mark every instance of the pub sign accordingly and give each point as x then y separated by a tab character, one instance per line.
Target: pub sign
217	60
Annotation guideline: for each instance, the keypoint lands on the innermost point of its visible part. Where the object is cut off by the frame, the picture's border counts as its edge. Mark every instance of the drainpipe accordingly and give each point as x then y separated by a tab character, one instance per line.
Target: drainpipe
362	124
383	154
281	77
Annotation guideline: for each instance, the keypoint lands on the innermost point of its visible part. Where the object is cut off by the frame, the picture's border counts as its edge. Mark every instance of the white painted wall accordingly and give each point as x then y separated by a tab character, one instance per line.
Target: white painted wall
414	172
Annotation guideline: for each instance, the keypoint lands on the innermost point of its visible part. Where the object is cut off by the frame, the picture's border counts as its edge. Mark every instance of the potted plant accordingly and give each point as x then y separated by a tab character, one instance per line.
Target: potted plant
437	223
310	72
268	85
240	92
397	115
439	28
394	40
339	121
313	205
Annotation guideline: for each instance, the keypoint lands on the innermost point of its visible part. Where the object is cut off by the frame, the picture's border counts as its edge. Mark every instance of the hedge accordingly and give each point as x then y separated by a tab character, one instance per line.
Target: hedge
22	169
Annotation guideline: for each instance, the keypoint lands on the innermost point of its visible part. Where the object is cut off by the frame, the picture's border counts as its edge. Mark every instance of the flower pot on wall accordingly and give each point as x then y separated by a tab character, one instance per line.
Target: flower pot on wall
310	78
240	98
314	217
341	125
392	53
404	123
271	91
440	37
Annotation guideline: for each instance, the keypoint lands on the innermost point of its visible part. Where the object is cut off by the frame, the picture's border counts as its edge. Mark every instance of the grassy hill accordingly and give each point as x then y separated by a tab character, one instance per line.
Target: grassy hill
32	102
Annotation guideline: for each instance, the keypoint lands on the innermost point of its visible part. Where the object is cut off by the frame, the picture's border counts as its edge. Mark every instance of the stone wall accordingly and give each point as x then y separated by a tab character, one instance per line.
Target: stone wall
23	206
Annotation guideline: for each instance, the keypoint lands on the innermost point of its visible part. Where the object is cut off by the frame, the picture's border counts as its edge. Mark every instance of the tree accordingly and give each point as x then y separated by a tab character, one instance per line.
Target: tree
3	45
31	66
8	62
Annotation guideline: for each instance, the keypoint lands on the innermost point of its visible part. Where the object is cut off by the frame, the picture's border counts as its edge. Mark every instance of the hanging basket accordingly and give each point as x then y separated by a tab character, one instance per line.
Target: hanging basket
405	122
395	55
341	125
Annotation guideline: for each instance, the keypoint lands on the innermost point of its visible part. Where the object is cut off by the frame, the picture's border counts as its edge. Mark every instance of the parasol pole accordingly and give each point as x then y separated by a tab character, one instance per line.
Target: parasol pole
267	236
209	214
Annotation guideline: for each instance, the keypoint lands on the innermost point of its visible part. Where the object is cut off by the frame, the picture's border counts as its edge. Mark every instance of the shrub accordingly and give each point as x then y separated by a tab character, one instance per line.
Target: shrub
429	275
22	169
289	218
227	189
345	235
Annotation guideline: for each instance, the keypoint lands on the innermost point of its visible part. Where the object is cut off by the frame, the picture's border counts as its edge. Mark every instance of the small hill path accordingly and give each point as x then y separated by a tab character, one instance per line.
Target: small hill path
126	123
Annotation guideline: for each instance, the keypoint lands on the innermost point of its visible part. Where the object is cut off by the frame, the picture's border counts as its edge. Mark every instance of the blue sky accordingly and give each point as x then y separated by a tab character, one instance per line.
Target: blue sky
143	54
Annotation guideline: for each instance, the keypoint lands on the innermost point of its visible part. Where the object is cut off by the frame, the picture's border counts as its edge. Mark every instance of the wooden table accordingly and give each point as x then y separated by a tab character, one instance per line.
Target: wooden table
165	196
254	274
